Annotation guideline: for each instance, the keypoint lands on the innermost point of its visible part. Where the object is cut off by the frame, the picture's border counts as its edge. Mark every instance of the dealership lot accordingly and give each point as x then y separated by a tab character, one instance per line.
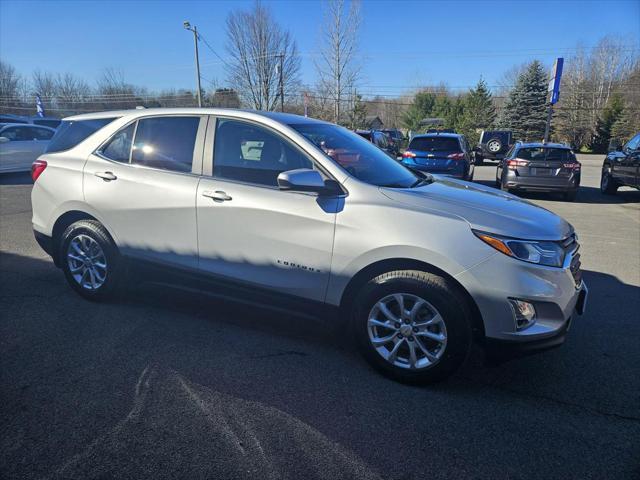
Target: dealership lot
166	383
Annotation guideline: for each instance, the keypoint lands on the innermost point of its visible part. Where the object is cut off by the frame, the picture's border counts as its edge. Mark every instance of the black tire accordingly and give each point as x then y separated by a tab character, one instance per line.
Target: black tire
570	196
442	295
113	270
608	185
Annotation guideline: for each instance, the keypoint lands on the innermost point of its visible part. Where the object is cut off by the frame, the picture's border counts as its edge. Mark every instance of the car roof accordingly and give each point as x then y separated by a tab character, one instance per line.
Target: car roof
427	135
24	125
543	145
285	118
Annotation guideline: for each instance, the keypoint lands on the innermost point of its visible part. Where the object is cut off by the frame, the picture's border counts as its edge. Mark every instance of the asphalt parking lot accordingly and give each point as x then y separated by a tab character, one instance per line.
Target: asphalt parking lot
169	384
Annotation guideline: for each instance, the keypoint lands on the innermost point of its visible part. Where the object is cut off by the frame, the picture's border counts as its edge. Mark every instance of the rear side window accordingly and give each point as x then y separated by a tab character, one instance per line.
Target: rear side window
118	148
71	132
15	134
41	133
435	144
166	143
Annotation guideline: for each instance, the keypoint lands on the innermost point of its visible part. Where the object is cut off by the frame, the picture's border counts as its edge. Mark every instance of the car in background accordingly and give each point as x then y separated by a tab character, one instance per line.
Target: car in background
10	118
540	167
493	145
46	121
380	140
443	153
43	121
21	144
621	167
397	137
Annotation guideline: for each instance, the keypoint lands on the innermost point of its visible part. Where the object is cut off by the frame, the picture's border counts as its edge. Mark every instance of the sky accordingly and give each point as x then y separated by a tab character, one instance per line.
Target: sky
403	44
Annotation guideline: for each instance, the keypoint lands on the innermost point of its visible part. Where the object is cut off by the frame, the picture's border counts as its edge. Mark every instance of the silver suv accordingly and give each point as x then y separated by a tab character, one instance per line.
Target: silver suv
285	208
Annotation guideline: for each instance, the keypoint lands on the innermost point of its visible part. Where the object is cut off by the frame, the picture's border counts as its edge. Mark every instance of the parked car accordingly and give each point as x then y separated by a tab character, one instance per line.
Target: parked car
621	167
21	144
444	153
397	137
380	140
311	217
493	145
540	167
46	121
10	118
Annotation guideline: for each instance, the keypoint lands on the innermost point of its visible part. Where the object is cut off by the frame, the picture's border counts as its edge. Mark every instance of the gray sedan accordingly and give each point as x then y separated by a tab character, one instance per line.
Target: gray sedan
21	144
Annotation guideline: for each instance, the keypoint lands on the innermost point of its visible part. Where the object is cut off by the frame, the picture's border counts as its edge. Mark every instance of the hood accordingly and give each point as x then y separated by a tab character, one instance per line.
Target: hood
485	209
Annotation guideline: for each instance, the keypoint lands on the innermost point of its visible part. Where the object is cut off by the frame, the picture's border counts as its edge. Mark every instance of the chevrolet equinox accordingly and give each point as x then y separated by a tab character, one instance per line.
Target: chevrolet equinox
286	210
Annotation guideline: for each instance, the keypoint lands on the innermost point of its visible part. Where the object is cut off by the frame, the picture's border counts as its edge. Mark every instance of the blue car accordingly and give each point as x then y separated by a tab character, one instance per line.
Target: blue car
441	153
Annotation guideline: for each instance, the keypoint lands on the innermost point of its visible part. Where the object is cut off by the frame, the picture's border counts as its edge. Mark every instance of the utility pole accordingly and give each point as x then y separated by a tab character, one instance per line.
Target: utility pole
281	68
548	125
194	29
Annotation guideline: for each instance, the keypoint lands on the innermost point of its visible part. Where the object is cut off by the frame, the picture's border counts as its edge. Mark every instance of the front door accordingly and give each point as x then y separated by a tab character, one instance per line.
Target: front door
143	181
252	232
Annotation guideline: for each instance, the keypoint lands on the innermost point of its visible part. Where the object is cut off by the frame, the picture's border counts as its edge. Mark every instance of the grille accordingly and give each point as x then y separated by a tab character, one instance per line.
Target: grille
571	246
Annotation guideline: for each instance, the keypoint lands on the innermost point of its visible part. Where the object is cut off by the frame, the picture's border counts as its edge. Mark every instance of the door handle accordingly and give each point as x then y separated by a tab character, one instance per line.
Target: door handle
218	195
106	176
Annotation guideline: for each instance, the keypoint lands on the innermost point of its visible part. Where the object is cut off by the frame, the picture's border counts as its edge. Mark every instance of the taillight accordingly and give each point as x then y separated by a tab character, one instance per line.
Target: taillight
456	156
408	154
513	164
37	168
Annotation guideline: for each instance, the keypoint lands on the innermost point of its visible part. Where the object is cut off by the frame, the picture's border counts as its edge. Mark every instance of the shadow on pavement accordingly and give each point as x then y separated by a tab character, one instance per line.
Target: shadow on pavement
18	178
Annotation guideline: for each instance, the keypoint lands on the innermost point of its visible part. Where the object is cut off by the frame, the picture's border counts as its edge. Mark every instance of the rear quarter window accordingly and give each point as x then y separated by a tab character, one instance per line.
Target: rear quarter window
71	132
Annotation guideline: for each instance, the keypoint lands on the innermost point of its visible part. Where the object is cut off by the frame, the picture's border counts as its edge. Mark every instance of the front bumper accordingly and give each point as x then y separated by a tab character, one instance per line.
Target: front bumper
554	292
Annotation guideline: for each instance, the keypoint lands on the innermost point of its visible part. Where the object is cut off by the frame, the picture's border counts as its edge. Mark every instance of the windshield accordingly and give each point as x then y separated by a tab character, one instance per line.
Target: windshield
544	154
435	144
357	156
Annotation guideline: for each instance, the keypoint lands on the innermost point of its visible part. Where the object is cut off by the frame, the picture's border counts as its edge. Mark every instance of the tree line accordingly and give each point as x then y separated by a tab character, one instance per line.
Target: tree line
599	101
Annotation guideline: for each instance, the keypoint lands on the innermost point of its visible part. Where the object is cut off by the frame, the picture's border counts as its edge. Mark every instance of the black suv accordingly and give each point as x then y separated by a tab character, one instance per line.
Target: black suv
540	167
397	137
493	145
621	167
380	140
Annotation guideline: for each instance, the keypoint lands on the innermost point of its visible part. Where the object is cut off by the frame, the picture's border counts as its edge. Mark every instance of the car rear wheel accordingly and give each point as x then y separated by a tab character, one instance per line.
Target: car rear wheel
90	260
413	326
608	185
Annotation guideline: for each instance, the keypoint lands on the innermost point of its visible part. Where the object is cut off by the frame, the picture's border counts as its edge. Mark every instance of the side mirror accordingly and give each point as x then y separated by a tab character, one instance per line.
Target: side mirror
4	140
304	180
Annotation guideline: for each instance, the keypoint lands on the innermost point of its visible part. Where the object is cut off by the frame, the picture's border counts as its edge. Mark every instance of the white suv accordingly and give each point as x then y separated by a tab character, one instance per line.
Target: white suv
285	208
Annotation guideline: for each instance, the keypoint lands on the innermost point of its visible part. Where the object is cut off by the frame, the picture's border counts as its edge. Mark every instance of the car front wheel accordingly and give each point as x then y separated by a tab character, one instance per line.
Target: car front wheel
413	326
90	260
608	185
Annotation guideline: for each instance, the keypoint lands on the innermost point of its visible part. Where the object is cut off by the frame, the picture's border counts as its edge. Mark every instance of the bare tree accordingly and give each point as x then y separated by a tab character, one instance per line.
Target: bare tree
44	83
257	47
337	67
9	82
70	91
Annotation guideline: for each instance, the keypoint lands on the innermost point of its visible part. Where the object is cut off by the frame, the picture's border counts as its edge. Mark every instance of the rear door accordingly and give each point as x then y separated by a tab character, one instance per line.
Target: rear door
439	154
143	181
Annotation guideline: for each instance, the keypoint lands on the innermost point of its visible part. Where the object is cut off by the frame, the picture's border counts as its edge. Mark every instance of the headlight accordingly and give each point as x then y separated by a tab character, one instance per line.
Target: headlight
543	253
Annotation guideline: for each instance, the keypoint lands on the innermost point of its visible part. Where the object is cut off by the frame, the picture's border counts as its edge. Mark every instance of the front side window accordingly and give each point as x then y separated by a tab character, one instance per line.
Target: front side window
118	148
634	143
357	156
248	153
41	133
166	143
71	132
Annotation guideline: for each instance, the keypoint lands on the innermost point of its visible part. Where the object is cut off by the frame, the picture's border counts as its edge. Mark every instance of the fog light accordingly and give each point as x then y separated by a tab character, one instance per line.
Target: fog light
524	313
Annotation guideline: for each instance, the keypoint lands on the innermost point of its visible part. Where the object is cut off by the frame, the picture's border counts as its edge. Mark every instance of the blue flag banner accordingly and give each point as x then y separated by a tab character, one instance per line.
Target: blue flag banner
39	107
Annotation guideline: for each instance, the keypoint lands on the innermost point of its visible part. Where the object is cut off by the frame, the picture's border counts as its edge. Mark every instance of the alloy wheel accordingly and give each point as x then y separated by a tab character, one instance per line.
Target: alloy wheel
407	331
87	262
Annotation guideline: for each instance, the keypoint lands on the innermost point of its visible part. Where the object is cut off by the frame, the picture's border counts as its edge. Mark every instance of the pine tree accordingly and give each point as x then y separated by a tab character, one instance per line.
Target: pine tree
422	107
610	115
478	113
358	114
526	109
623	128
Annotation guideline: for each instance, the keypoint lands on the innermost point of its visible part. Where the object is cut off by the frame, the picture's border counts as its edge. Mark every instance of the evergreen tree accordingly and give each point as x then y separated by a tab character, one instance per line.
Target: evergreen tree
611	114
422	107
623	128
526	109
478	112
358	114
